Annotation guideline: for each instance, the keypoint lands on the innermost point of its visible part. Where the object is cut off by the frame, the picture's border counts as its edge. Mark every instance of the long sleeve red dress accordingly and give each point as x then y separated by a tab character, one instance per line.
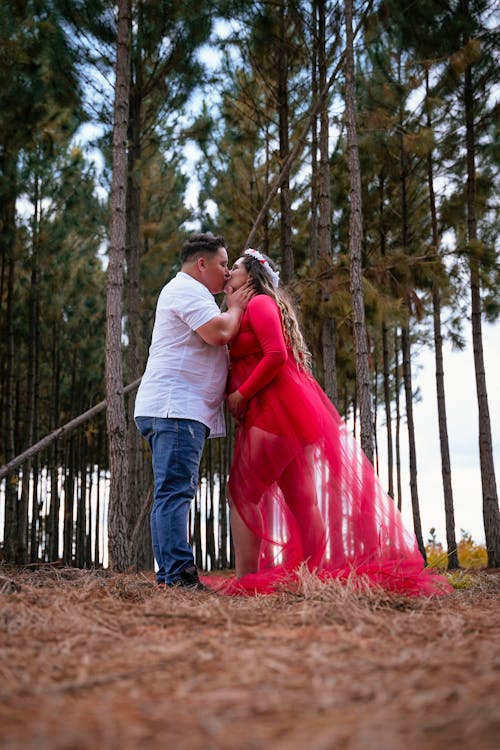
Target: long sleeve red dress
300	481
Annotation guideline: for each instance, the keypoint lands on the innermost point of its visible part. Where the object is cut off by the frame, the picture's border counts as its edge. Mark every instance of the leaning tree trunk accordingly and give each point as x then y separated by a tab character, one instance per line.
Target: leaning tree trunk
355	240
491	513
116	419
451	542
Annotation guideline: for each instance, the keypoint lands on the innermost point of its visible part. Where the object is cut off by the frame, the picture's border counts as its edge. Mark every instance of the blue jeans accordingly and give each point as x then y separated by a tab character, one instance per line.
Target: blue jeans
176	447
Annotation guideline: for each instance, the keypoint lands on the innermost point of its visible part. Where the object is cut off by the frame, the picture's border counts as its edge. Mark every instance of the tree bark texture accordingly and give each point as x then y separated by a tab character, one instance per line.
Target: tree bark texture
444	443
491	514
355	249
116	418
8	238
287	259
325	212
314	139
406	351
139	472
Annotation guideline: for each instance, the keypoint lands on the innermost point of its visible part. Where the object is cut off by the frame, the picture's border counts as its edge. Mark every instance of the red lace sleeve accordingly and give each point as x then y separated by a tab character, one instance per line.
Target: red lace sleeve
265	320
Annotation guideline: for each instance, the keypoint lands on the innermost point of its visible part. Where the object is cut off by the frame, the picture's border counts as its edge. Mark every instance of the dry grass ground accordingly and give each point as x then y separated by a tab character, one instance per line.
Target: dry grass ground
101	660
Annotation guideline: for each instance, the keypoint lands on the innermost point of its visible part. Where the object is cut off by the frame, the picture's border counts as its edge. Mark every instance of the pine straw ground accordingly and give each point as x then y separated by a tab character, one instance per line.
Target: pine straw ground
102	660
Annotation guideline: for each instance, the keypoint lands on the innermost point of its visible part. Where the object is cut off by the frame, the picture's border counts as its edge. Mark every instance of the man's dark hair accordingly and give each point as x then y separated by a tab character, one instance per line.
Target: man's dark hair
199	244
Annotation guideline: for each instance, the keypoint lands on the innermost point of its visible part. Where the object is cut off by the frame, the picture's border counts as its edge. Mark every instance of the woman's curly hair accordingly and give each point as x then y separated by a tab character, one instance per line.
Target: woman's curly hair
263	285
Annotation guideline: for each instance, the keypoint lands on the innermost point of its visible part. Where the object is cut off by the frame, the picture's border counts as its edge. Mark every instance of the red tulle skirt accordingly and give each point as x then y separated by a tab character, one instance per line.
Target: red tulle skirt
302	485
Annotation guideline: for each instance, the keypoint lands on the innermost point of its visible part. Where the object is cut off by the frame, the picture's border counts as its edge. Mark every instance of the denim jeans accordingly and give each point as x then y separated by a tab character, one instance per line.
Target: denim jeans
176	447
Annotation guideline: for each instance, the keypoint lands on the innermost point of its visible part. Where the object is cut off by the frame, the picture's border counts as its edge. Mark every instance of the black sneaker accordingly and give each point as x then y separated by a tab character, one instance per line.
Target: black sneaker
188	579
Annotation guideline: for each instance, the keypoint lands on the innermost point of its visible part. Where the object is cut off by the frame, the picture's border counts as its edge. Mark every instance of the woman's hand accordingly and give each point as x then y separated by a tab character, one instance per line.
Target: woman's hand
237	405
239	297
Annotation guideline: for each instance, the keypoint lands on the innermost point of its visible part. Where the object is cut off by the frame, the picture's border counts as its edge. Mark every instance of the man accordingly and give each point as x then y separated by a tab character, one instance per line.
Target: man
179	401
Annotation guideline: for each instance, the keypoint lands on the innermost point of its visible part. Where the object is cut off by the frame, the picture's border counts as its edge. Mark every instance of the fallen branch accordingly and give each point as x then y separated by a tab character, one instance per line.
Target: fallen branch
63	430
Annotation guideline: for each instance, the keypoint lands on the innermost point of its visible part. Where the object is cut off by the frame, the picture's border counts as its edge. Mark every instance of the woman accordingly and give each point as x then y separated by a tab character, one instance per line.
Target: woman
300	488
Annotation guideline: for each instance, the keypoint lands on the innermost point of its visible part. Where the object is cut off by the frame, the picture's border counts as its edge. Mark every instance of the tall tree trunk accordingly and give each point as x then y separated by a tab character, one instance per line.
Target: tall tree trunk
451	542
355	249
314	139
387	407
287	259
53	521
69	496
8	238
116	419
375	412
397	390
405	341
385	351
35	543
406	350
138	479
491	514
22	523
325	210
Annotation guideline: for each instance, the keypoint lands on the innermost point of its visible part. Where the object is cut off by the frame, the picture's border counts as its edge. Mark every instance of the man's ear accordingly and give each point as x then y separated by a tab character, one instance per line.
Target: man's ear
201	263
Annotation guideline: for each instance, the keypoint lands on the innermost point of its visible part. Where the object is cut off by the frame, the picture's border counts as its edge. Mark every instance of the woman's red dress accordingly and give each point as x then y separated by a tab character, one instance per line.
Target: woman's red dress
300	481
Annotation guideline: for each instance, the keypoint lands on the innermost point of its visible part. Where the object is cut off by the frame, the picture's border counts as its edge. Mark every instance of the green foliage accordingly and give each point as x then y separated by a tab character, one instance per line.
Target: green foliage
471	556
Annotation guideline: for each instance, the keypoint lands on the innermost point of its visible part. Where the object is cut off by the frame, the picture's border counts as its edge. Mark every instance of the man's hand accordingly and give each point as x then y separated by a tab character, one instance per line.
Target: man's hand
237	405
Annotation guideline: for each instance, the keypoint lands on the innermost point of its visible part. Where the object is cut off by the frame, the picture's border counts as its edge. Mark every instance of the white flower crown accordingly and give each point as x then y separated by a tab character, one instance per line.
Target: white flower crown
272	275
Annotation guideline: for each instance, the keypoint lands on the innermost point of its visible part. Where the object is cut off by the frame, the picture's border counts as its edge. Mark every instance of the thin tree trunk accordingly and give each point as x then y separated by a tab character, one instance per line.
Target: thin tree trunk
138	477
22	524
223	525
491	514
355	249
385	352
8	235
287	260
209	526
196	538
314	139
406	345
81	502
398	420
69	496
406	350
438	351
325	210
116	418
375	413
387	406
53	454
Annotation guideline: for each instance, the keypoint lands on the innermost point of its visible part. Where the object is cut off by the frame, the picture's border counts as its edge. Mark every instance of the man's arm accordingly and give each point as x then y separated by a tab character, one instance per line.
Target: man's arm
223	327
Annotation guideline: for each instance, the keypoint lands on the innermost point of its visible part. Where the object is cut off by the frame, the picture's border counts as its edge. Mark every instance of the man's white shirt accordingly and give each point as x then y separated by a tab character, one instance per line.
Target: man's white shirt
185	377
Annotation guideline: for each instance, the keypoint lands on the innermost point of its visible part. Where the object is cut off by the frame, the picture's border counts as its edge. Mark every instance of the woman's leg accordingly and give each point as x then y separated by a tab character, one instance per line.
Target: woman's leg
298	485
246	545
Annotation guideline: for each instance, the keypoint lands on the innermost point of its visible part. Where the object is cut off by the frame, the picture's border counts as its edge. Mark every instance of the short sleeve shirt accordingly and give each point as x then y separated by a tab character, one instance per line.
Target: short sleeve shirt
185	377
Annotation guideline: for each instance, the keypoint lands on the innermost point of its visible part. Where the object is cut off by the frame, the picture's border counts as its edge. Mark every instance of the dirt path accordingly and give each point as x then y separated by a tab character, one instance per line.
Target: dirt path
92	660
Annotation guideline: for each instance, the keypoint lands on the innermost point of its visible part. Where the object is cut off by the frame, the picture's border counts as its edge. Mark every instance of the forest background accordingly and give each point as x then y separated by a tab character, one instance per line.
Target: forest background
220	96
